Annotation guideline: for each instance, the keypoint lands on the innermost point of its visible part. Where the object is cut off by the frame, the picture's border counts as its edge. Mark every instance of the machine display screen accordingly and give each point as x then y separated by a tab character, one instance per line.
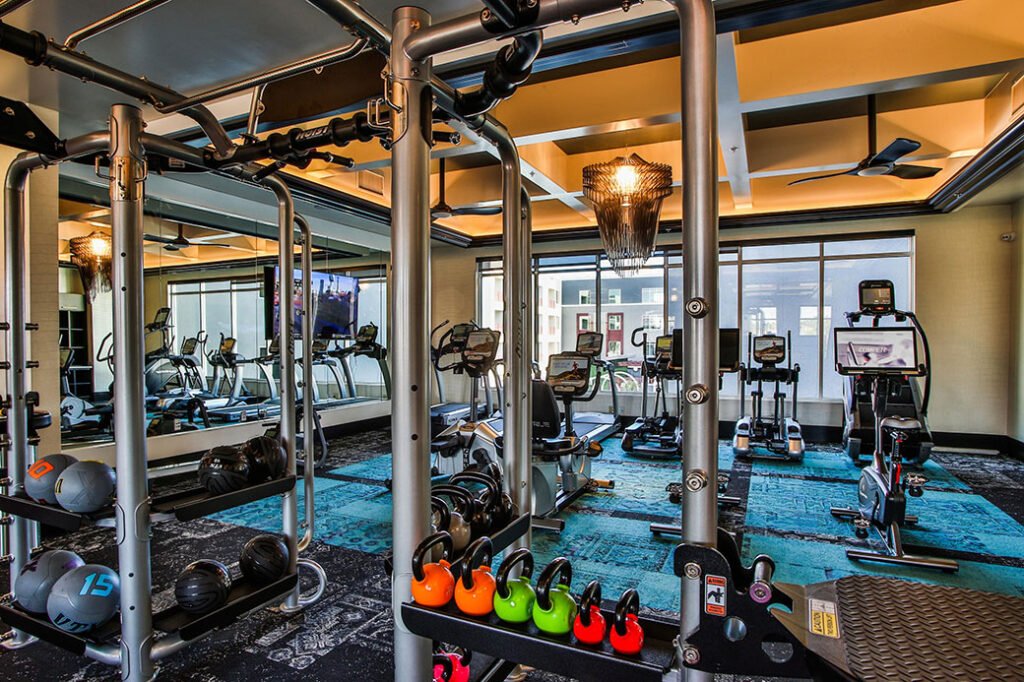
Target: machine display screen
876	296
569	370
482	345
876	350
663	346
728	350
366	334
590	343
335	304
769	349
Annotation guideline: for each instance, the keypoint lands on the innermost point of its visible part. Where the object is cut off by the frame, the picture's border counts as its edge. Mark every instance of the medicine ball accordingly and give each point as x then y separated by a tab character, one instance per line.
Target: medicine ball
42	476
224	469
267	459
85	487
264	559
38	576
83	598
203	586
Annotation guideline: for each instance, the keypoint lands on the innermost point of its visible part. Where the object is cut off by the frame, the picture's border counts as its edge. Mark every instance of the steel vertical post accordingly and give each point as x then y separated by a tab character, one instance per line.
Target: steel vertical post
127	191
700	294
286	287
409	83
308	416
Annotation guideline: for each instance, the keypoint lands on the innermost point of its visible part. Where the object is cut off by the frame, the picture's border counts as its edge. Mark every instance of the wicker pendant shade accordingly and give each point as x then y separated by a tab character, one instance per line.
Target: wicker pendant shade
627	195
91	254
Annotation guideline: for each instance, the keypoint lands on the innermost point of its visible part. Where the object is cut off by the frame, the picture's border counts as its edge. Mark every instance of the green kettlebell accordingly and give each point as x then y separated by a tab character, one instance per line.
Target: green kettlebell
514	598
555	609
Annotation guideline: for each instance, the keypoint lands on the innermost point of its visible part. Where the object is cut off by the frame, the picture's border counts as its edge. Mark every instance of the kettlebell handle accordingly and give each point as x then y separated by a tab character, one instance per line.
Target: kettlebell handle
521	556
476	555
462	497
438	506
629	602
428	543
560	568
591	597
493	491
447	667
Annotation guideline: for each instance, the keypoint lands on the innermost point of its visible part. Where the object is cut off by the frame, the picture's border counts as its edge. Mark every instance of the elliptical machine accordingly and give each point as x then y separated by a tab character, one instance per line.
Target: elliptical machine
884	357
76	414
364	345
655	435
757	436
452	343
907	397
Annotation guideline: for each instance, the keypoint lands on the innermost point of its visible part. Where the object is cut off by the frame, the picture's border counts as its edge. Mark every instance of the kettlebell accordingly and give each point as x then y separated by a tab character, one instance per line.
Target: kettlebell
443	668
555	609
474	591
482	517
440	519
458	525
626	634
590	625
460	665
433	584
514	598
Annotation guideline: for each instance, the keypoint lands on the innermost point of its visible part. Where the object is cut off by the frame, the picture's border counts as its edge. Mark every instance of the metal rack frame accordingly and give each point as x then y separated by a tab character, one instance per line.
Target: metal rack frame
134	646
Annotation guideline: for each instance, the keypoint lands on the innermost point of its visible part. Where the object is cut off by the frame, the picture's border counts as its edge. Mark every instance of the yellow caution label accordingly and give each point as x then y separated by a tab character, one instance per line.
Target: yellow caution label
824	620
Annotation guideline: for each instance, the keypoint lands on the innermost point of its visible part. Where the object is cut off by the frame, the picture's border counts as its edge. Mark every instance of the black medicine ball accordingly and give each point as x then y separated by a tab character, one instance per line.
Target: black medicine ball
224	469
264	559
203	586
267	459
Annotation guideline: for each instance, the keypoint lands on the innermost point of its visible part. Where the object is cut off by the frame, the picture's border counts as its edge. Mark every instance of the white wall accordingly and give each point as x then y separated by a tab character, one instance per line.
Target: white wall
962	275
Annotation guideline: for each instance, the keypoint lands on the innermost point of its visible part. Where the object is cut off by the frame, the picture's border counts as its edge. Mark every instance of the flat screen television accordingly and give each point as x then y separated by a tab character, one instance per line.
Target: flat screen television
335	304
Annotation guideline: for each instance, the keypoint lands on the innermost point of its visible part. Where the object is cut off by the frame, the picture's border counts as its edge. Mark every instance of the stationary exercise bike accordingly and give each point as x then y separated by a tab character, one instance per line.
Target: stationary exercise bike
561	458
756	435
656	435
471	444
884	356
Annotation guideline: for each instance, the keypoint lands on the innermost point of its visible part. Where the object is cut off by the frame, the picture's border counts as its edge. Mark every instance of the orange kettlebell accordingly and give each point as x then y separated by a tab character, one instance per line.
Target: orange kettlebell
433	583
474	592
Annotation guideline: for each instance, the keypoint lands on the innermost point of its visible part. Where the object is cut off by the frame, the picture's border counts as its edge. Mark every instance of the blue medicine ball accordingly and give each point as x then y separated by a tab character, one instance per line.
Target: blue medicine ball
36	579
42	476
85	487
84	598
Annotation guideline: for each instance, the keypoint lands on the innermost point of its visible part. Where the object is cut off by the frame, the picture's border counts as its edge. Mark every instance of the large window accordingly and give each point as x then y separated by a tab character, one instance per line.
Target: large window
802	288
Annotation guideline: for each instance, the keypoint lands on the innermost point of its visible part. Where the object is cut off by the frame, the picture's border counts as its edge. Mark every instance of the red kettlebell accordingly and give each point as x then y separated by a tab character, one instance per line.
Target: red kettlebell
590	625
432	583
443	668
460	665
474	591
626	633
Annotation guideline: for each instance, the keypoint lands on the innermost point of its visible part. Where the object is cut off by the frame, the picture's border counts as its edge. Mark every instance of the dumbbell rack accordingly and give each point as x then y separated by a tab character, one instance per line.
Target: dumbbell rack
139	636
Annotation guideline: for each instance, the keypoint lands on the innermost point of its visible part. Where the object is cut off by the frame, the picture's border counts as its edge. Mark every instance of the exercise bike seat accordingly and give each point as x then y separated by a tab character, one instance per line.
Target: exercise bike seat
904	424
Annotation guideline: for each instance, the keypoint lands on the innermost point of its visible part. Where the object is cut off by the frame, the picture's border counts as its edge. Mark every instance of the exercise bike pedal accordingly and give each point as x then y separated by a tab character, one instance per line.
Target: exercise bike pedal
914	483
861	527
723	483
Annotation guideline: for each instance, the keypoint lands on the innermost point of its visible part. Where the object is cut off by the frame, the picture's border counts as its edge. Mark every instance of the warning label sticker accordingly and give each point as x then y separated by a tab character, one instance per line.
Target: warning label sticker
714	595
823	618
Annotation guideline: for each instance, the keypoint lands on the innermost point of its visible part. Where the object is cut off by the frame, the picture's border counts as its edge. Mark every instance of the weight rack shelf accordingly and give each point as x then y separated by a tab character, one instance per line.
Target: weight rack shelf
526	645
185	505
244	597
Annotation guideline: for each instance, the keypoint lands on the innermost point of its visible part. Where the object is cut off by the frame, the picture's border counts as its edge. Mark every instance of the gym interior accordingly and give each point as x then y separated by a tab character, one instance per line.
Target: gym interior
637	340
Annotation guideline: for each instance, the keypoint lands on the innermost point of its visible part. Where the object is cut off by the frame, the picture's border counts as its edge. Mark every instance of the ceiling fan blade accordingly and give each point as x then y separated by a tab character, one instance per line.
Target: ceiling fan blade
899	148
481	210
852	171
157	238
225	246
909	171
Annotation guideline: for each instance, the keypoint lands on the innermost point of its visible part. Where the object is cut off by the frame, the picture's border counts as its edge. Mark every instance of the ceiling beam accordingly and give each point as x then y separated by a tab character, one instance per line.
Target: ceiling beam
731	133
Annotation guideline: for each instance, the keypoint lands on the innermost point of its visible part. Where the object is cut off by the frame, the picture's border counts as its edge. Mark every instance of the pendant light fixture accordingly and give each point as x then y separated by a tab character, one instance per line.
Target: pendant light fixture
627	194
91	254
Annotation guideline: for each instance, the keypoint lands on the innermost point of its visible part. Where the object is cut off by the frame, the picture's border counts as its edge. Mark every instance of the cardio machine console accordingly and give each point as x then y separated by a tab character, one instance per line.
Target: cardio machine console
366	335
877	297
481	348
569	374
460	336
769	350
876	351
590	343
728	350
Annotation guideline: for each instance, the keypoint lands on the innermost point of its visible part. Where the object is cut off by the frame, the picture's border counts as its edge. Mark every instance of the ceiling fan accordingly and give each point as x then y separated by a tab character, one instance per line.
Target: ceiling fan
180	242
442	210
883	162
